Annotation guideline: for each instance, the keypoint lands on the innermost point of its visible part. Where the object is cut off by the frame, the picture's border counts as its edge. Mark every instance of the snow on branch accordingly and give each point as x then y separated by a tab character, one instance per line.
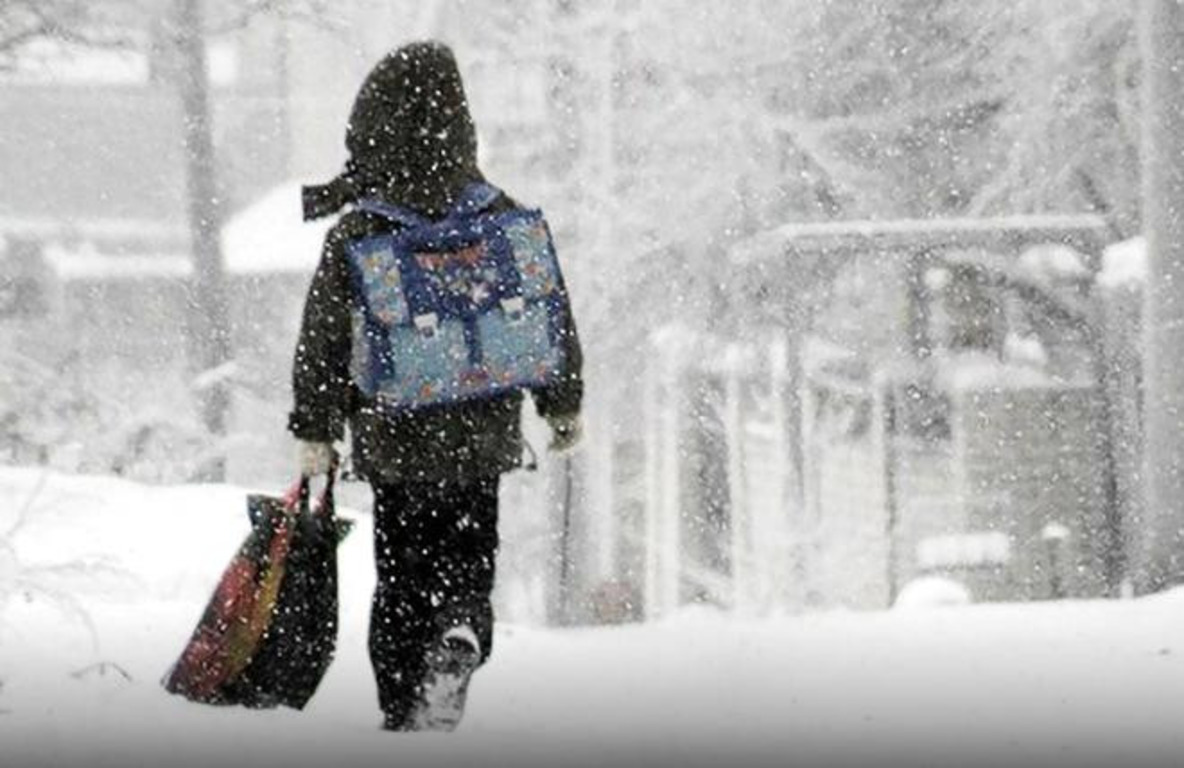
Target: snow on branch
73	21
313	12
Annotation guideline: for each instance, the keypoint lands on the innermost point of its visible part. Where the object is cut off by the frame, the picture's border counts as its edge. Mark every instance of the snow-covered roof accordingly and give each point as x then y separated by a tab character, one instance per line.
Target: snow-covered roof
267	237
1085	232
972	548
45	60
270	235
86	262
1124	264
981	371
1051	263
99	230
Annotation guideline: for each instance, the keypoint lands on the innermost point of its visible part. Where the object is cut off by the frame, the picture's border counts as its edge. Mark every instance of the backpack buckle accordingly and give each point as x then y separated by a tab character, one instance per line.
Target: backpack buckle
514	308
427	325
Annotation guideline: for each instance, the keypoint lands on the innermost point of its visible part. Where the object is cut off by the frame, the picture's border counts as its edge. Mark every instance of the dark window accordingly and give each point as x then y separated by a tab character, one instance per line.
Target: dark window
22	285
923	413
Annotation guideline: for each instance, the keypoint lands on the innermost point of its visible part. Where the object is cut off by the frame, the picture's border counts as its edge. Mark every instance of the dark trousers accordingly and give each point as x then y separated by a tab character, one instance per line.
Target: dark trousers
434	547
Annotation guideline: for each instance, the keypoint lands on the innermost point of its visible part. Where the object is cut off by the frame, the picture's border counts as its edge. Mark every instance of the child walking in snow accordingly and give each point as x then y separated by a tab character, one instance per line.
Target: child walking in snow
434	471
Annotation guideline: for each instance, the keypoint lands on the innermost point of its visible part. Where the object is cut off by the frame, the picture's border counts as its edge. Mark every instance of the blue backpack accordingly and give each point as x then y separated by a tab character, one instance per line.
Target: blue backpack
458	309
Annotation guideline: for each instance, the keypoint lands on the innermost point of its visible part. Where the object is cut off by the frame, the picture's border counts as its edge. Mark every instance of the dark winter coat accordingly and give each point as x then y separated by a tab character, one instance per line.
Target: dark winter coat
412	143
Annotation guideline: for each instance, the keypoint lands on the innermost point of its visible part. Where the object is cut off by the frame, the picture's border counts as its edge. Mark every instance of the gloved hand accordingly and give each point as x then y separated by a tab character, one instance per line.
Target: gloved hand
315	458
566	432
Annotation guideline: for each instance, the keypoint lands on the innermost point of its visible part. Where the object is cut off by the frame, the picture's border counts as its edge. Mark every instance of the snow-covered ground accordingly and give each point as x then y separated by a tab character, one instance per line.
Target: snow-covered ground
1098	683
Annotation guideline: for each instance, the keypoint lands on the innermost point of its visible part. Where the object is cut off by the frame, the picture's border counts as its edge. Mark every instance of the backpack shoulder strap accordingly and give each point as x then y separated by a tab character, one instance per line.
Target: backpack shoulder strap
474	199
395	213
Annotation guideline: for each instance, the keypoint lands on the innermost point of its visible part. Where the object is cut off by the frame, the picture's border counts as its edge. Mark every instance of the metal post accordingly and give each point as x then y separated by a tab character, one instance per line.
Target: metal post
209	323
891	489
1159	553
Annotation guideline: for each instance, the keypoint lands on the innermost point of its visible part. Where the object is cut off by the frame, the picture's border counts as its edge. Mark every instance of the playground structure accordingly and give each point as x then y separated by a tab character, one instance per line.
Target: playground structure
893	400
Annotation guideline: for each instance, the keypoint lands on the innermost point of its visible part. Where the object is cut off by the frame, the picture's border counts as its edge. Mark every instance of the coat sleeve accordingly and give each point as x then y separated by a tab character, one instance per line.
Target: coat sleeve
565	395
321	383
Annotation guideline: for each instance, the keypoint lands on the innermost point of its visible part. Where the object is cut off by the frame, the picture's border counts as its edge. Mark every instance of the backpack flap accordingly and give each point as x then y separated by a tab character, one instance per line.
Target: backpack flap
468	307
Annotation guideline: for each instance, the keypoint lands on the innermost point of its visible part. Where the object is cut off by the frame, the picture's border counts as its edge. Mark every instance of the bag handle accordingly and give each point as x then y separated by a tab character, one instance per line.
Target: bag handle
299	495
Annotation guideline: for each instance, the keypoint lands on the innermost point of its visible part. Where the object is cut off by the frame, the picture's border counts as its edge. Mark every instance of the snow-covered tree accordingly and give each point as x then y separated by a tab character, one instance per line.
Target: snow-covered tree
80	21
947	107
1067	135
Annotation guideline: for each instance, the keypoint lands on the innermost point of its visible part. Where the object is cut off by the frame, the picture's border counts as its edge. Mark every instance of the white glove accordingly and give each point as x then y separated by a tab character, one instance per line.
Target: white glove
566	432
314	458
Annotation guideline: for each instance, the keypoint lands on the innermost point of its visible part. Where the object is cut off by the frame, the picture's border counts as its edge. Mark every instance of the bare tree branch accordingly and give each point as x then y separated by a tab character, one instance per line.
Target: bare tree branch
71	21
313	12
94	24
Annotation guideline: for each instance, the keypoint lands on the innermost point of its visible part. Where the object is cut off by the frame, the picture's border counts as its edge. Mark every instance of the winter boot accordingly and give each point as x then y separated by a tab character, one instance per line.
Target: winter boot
449	667
396	723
